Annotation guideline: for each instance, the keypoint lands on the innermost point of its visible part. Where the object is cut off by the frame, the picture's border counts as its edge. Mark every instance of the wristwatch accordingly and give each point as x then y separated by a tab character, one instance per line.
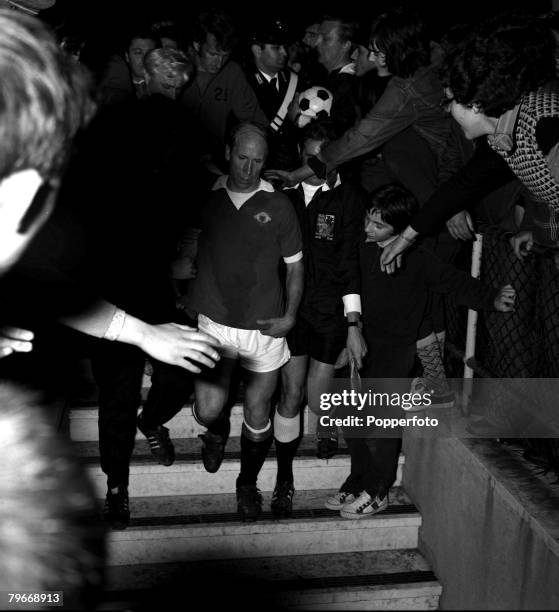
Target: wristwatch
358	324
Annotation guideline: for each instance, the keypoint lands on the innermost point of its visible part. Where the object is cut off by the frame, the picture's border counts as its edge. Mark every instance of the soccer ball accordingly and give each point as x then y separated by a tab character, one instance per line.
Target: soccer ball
314	103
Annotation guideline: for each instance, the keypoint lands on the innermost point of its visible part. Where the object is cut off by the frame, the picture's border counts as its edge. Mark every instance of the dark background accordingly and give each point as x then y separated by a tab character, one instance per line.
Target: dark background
105	24
108	18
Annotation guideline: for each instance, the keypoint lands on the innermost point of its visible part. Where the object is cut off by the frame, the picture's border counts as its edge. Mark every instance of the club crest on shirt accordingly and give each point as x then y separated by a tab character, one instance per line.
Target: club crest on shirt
324	229
263	217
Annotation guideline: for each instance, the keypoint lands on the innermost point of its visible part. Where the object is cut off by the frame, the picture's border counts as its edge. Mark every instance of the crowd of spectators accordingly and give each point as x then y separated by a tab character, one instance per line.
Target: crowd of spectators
198	224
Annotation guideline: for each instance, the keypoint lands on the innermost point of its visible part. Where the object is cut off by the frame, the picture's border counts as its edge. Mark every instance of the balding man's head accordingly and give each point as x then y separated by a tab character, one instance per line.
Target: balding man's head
246	154
246	129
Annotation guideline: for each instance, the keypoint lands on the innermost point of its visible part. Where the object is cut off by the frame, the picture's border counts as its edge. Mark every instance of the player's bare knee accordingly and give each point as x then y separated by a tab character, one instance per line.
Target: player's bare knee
208	407
291	400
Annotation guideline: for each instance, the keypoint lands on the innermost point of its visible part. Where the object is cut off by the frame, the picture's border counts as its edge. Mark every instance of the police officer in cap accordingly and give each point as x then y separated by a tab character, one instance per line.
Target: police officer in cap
275	86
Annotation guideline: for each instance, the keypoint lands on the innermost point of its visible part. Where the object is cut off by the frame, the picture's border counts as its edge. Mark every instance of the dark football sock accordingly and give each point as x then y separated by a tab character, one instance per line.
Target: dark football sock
285	453
221	426
253	455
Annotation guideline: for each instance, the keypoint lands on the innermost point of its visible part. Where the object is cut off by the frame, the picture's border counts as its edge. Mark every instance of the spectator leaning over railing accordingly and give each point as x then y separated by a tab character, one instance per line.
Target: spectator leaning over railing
499	85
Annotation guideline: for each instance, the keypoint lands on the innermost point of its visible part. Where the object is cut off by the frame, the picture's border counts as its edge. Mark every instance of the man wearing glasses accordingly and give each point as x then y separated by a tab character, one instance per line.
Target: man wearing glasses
505	95
399	41
414	131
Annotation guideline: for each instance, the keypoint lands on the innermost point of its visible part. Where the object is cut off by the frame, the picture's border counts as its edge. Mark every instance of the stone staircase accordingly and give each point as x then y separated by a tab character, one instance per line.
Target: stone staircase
185	539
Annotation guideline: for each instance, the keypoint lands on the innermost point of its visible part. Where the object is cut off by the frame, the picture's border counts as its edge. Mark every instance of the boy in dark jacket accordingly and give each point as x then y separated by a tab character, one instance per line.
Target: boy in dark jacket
393	308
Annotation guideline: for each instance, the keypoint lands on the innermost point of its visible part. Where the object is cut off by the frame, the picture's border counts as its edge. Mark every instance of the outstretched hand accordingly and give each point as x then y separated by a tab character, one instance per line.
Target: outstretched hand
180	345
285	177
505	300
15	340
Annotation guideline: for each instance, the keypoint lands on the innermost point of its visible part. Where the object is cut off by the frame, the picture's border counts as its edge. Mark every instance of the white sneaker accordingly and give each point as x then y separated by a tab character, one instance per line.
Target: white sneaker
335	502
364	506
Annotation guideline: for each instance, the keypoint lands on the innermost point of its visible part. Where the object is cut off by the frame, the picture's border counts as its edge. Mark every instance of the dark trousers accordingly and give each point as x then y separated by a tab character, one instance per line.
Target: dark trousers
446	248
374	461
374	465
118	371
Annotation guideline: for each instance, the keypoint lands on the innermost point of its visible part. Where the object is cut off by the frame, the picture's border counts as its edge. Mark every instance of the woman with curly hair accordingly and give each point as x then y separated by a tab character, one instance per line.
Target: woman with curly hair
499	85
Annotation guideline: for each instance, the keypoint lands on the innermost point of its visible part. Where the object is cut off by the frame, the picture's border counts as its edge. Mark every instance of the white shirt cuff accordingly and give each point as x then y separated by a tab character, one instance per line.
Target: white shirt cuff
293	258
352	303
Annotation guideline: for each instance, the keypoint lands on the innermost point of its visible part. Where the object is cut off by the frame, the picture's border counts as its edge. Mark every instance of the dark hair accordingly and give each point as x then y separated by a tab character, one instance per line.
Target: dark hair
403	37
320	129
144	34
502	59
220	24
168	30
44	97
395	204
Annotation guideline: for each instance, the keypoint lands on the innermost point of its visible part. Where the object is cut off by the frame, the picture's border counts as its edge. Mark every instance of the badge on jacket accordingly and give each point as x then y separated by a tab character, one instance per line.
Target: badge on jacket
324	229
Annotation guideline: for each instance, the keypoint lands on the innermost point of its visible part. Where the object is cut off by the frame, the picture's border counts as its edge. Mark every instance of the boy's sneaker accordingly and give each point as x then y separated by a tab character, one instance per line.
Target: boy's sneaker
326	448
440	393
117	508
282	499
335	502
249	502
160	443
364	506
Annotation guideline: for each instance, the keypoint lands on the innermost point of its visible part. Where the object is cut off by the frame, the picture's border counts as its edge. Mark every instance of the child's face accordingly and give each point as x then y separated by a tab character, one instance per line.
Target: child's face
376	229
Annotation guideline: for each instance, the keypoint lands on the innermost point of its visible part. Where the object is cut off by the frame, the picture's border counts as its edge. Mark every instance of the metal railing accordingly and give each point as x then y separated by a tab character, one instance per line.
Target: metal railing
520	344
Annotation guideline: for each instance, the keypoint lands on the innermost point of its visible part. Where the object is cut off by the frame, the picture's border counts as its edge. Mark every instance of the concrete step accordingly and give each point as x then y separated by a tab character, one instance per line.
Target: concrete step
173	530
148	510
84	418
187	475
369	580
